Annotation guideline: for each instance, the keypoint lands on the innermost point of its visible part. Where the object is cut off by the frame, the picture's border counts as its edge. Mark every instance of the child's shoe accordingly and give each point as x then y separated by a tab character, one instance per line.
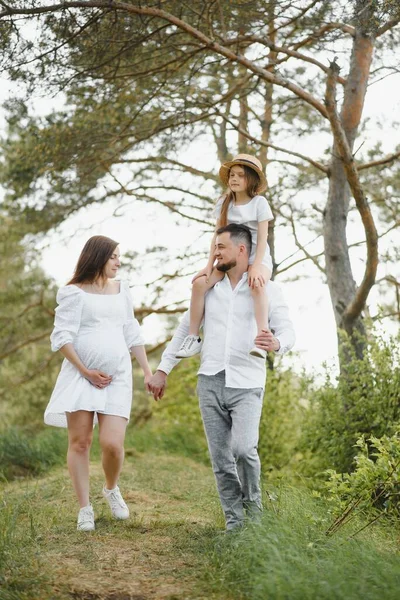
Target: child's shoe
259	352
191	345
86	519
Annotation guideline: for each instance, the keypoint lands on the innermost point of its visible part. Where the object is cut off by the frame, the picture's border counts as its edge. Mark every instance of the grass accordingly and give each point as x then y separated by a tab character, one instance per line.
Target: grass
289	557
173	546
22	455
174	510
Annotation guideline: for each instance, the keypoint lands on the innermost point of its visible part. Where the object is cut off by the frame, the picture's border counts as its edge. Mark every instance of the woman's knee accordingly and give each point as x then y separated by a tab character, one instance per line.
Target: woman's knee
80	445
112	447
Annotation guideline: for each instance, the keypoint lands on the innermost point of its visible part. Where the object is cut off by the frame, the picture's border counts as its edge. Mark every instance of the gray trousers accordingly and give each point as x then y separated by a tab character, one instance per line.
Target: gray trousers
231	418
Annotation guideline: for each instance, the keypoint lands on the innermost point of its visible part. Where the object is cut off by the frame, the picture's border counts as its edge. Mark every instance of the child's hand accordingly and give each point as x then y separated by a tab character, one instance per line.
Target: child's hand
255	277
206	272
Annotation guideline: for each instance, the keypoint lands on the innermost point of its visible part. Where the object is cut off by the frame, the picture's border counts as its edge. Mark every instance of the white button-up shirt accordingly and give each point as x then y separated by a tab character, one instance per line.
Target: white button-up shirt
229	329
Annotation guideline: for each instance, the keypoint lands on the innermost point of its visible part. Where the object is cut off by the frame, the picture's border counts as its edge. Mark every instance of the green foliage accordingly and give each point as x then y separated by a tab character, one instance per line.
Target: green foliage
374	485
27	298
289	556
365	400
176	425
22	455
282	416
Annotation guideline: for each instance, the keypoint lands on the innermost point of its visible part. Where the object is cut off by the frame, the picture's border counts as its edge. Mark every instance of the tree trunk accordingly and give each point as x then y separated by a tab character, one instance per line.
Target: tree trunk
266	124
340	278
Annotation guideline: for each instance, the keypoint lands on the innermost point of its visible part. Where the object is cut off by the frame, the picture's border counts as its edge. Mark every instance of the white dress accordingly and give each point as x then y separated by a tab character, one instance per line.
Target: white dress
102	329
250	214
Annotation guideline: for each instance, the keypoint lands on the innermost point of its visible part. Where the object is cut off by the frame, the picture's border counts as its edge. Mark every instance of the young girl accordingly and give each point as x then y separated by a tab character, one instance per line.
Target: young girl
96	332
241	204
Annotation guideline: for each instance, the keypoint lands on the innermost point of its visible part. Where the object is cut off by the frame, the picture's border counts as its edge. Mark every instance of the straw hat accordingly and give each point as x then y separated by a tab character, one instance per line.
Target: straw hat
248	161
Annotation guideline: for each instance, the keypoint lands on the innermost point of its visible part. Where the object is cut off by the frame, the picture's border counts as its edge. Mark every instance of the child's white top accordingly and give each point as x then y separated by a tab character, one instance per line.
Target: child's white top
251	214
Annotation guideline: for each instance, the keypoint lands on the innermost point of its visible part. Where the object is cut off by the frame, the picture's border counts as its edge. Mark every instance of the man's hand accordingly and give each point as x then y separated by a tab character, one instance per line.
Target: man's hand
157	384
267	341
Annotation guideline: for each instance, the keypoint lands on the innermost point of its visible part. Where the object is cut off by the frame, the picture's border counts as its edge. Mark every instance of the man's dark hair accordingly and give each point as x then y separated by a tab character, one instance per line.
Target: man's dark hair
240	234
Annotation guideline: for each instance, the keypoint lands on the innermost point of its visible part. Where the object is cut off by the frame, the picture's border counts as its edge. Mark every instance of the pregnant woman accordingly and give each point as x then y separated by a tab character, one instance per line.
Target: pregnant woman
96	331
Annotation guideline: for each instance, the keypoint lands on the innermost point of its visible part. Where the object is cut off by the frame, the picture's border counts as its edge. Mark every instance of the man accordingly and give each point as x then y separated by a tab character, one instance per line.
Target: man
230	380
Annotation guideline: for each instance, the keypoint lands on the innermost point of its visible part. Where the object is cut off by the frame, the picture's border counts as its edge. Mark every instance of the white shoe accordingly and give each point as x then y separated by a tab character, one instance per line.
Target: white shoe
259	352
86	519
191	345
117	504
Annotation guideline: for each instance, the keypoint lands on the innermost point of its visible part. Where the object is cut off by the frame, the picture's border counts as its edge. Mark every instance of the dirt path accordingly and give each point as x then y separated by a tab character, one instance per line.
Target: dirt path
160	553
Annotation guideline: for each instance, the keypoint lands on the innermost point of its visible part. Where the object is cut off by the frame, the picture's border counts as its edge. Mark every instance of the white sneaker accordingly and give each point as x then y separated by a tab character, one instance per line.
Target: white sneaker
191	345
259	352
117	504
86	519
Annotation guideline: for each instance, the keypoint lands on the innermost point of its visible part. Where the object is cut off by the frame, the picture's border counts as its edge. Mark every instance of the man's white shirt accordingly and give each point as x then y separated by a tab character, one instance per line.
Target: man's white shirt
229	329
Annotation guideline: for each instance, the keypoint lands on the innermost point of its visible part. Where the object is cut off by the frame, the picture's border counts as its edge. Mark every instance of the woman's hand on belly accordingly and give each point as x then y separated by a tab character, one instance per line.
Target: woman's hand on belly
97	378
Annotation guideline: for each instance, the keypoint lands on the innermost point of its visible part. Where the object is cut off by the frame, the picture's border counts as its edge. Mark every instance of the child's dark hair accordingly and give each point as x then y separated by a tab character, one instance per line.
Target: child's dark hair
253	183
240	234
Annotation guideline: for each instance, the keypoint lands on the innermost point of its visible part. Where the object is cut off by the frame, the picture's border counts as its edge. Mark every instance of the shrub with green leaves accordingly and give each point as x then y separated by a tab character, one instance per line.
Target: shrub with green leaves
365	400
176	425
286	394
374	485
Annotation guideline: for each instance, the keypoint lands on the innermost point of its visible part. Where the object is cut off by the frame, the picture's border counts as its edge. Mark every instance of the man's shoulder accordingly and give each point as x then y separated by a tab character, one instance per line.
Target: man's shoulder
273	285
274	291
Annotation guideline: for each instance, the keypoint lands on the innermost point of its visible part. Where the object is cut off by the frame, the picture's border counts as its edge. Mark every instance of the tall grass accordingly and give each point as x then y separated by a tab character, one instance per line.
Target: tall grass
289	556
21	571
22	455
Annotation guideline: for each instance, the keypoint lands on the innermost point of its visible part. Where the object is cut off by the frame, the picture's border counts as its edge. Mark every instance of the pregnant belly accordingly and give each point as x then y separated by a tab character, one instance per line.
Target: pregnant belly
104	351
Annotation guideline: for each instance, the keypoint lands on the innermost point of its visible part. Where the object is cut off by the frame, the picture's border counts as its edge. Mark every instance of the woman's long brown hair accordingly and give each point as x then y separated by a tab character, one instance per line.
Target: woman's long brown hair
92	260
253	182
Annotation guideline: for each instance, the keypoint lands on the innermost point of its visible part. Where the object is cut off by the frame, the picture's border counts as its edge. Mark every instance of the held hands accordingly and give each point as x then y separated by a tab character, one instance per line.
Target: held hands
147	379
255	277
157	384
267	341
97	378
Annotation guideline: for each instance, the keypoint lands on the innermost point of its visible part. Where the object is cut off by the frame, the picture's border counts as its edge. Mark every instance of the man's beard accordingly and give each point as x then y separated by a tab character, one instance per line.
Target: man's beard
223	268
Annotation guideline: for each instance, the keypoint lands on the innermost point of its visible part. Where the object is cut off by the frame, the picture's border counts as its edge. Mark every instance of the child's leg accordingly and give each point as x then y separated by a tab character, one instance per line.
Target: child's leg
197	301
191	345
260	300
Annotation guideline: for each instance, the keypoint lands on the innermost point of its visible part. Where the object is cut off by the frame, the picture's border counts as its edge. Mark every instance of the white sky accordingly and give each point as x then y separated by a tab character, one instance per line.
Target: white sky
143	226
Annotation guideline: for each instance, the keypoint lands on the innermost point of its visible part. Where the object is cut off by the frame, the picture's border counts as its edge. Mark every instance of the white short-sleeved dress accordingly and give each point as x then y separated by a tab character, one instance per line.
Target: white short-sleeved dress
250	214
102	329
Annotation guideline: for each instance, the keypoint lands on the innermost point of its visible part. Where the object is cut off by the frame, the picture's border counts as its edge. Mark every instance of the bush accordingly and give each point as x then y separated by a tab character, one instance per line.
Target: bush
176	426
281	421
374	485
364	401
